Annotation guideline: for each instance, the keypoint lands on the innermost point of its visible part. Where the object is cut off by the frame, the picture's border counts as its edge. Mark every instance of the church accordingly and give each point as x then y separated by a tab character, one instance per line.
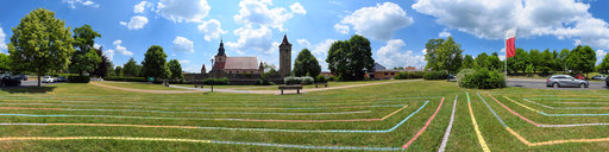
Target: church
249	67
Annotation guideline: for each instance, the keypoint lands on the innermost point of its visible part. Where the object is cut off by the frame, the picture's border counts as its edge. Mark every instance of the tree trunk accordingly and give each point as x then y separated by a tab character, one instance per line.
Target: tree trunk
38	80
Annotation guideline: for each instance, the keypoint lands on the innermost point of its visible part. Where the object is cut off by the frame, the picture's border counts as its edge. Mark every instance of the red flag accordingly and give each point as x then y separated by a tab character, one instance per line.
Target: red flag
510	48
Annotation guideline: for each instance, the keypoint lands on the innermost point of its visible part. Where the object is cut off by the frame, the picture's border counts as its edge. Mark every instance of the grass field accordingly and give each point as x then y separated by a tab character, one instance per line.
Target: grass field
409	116
274	87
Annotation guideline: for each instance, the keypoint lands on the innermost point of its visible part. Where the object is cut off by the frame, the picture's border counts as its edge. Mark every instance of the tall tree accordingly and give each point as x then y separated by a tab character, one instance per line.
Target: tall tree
581	59
40	44
468	62
604	66
105	66
350	58
430	53
5	63
518	62
131	68
481	60
546	62
176	70
154	63
306	64
118	71
564	54
448	56
85	59
493	62
534	59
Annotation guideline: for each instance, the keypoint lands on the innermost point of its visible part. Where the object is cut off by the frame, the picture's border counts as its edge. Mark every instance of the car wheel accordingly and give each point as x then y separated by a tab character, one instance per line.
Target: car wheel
581	85
555	85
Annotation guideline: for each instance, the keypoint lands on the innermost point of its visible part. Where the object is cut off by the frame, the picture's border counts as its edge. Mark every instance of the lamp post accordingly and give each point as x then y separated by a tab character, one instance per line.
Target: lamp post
212	81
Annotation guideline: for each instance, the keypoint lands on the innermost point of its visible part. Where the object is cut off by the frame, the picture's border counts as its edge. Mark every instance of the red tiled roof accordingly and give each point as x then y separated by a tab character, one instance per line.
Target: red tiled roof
241	63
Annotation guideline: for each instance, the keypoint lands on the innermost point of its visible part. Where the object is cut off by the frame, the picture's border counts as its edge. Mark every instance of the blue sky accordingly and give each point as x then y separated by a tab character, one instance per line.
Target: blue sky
190	30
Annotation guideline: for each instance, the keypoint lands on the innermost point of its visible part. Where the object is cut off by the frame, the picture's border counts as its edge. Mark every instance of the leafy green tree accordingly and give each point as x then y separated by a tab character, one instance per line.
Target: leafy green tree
604	66
350	58
104	68
5	62
518	62
449	56
85	59
431	56
534	59
40	44
118	71
546	63
581	59
176	70
154	63
481	60
564	54
468	62
306	64
131	68
494	63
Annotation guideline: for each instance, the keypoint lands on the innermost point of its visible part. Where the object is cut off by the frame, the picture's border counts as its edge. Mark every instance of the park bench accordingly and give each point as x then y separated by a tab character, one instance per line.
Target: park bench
325	84
297	87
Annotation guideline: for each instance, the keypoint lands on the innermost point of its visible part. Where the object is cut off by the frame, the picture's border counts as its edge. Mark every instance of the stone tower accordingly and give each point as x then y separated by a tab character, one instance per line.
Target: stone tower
219	62
285	57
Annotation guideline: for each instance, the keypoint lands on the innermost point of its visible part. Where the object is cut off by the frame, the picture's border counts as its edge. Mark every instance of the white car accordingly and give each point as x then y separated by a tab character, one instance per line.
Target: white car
47	79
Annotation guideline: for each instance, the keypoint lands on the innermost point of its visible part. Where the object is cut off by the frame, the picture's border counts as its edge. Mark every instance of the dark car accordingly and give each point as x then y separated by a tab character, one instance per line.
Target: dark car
451	78
61	79
9	80
22	77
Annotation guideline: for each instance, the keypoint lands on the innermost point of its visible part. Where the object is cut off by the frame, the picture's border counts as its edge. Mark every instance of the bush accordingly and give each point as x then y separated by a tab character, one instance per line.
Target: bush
292	80
435	75
79	79
321	79
333	78
481	79
409	75
264	82
307	80
216	81
127	79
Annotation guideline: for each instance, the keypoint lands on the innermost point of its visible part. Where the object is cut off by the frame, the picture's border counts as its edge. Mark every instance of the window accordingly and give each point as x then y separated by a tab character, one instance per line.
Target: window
386	73
392	73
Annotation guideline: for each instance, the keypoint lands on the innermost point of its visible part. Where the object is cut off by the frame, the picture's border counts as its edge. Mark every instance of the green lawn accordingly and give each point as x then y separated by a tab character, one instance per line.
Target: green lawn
274	87
100	119
138	85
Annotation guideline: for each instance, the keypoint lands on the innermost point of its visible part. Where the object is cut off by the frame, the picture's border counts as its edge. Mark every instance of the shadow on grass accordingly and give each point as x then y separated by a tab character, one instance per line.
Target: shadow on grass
33	90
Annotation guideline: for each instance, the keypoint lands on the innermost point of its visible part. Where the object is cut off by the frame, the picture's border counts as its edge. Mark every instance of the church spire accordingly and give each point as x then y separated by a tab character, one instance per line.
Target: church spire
285	39
221	49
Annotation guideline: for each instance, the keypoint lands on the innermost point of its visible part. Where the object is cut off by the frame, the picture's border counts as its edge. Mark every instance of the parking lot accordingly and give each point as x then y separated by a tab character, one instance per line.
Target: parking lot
541	84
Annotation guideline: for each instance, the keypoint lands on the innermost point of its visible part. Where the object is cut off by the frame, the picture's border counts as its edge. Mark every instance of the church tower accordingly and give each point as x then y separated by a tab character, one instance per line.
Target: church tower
219	62
285	57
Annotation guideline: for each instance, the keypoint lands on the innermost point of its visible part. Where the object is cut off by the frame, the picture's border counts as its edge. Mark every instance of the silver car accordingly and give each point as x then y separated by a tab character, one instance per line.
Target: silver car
559	81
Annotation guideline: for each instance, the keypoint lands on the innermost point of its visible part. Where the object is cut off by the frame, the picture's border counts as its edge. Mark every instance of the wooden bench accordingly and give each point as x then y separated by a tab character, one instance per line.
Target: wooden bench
321	83
297	87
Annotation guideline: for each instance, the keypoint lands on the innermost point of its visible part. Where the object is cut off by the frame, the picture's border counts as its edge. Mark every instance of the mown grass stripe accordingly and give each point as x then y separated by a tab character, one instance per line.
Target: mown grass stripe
554	115
481	140
215	108
357	148
570	108
449	127
420	132
226	128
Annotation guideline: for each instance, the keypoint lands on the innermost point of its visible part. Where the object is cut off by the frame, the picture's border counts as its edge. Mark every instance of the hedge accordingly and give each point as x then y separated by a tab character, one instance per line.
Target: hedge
481	79
298	80
79	79
409	75
321	79
216	81
128	79
435	75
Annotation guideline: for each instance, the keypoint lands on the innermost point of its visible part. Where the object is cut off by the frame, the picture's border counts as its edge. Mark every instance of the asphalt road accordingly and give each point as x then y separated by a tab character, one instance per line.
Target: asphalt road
541	84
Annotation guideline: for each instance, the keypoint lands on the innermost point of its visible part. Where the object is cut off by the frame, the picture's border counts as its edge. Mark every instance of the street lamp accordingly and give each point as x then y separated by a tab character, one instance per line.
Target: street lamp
211	74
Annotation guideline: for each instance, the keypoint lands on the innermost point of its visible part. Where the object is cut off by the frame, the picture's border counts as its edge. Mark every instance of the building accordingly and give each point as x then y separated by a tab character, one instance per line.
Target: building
379	72
225	66
285	57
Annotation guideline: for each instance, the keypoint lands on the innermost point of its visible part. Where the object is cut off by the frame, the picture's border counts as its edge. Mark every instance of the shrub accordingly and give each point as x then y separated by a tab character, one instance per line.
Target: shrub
321	79
127	79
409	75
307	80
481	79
333	78
216	81
435	75
264	82
79	79
292	80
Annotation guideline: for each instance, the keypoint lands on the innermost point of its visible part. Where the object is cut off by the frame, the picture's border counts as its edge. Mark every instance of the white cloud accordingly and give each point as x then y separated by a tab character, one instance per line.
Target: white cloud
600	55
212	29
391	55
252	39
298	9
183	10
136	22
377	22
490	19
74	3
258	12
444	34
2	42
342	29
182	44
121	49
184	62
320	51
109	53
303	42
141	7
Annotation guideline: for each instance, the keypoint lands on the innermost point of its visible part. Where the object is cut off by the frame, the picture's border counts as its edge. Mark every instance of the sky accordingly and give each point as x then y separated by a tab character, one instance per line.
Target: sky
191	30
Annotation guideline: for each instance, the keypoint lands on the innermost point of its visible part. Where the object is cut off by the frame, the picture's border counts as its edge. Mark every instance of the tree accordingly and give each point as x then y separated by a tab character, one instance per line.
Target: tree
468	62
431	56
518	62
564	54
131	68
481	60
306	64
350	58
448	56
118	71
85	59
104	68
176	70
604	66
5	63
581	59
40	44
494	63
154	63
534	59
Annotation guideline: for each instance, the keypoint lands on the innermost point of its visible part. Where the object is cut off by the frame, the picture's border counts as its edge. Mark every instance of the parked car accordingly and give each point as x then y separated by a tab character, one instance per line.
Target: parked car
47	79
452	78
599	77
560	81
22	77
61	79
9	80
